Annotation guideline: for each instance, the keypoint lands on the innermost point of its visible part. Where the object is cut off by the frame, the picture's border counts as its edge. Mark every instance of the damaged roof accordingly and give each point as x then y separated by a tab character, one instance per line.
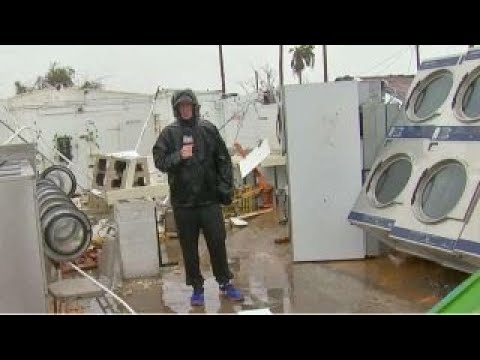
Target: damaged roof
396	85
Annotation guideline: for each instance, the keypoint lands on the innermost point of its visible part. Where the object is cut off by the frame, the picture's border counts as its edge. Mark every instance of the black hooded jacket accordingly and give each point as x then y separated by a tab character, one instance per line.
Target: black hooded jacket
205	178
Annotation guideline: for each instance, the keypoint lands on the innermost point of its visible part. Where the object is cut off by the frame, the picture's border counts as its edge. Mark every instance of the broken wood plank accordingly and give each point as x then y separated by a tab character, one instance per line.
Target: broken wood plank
255	213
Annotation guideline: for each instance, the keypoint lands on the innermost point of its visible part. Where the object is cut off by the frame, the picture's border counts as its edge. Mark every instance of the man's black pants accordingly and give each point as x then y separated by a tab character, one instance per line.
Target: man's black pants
209	219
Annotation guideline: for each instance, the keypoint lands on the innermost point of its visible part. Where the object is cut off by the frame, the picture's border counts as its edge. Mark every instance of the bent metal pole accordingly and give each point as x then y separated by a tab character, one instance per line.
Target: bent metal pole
147	121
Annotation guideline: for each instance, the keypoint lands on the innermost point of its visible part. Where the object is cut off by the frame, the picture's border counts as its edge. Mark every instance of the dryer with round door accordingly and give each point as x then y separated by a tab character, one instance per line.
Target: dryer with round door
429	98
383	194
466	100
407	143
466	108
443	192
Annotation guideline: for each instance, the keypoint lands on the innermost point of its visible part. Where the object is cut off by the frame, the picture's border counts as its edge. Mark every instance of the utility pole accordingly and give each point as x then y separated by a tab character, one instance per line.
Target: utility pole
222	72
280	65
325	73
417	51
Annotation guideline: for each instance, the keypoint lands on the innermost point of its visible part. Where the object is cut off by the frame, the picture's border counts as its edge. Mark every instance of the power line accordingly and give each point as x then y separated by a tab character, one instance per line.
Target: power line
393	61
385	60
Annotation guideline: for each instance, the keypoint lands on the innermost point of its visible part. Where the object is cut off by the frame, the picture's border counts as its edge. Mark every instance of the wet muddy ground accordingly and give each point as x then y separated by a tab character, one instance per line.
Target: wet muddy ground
264	272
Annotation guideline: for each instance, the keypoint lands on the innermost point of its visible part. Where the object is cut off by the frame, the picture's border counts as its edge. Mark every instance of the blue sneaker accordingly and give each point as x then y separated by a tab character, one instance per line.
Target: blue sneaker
231	293
198	298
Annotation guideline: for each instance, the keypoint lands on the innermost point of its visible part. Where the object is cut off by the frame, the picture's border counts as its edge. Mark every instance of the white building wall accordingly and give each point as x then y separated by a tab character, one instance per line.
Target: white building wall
116	120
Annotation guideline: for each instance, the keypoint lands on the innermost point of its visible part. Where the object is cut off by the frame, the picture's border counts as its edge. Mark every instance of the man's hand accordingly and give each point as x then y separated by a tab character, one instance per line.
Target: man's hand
186	152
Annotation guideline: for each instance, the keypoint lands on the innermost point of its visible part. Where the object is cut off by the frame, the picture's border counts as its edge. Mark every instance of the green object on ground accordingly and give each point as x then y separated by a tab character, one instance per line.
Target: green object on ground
464	299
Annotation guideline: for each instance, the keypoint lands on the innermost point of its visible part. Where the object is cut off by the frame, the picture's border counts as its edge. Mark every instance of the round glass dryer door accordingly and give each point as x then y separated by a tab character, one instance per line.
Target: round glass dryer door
62	177
440	190
429	95
467	104
67	233
389	180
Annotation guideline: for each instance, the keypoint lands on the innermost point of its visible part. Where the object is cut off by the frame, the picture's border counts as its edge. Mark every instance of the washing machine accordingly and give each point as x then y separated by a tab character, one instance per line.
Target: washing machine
384	192
442	192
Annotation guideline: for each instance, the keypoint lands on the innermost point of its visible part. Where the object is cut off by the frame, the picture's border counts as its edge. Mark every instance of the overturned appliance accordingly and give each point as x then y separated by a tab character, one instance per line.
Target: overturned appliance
22	260
432	208
66	230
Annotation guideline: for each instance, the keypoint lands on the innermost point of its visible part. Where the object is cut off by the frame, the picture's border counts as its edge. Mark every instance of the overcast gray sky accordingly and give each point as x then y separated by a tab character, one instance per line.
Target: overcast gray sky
140	68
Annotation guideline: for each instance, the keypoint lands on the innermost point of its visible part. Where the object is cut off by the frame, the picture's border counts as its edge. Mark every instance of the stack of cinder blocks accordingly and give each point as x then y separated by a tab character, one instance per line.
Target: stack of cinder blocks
112	172
125	177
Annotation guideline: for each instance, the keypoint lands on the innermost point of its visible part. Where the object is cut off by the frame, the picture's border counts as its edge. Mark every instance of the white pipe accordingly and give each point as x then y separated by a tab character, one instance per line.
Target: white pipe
103	287
17	133
40	137
26	141
164	203
144	128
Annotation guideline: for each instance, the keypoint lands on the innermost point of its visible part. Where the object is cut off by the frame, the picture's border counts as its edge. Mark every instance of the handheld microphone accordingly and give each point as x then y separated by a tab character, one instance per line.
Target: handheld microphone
188	139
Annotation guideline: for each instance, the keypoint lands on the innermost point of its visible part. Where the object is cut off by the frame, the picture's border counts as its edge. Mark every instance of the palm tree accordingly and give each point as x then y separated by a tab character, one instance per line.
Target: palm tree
302	56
